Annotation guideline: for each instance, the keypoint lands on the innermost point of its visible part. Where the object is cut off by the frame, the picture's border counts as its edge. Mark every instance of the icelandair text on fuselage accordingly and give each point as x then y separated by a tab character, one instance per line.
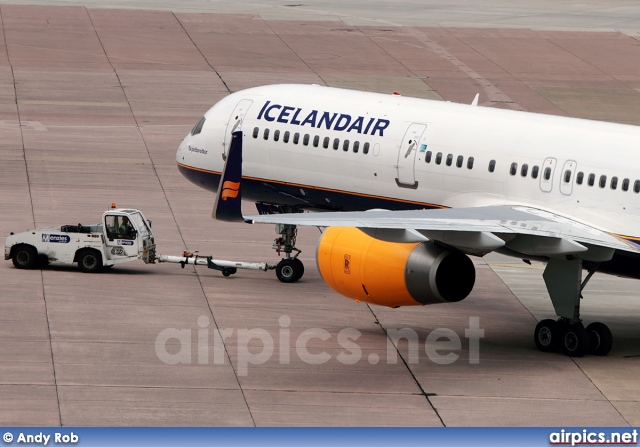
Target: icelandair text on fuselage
327	120
43	439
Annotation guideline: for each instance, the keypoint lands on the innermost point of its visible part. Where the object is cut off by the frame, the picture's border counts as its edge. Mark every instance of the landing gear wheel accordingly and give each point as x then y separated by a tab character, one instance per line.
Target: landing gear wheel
89	261
301	265
25	257
288	270
600	339
575	340
547	335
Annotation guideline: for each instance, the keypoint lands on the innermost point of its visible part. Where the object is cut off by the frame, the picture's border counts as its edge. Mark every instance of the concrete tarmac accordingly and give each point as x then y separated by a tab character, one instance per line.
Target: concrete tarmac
93	103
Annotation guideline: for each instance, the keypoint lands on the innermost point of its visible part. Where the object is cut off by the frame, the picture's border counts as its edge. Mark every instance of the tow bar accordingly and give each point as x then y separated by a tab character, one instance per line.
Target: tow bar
226	267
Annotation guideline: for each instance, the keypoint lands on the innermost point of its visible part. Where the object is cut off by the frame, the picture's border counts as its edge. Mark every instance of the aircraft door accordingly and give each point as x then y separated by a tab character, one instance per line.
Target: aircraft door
546	179
411	143
566	182
235	122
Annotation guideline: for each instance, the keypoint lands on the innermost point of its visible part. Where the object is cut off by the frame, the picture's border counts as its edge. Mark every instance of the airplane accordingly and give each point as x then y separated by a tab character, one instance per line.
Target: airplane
410	188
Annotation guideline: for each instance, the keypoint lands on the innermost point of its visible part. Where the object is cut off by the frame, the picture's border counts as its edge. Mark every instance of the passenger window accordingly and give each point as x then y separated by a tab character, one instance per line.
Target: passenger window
524	170
534	172
266	134
305	140
592	179
316	141
580	178
365	149
427	157
256	131
547	174
614	182
336	143
470	163
603	181
449	159
276	135
296	138
567	176
286	137
356	146
514	168
625	184
636	186
459	161
345	146
492	165
325	143
439	158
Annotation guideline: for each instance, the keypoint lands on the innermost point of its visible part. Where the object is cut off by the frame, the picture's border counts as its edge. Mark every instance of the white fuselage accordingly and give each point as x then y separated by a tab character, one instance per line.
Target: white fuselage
583	169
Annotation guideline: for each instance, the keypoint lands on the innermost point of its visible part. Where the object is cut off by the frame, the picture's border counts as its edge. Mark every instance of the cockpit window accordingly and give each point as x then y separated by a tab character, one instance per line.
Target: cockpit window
198	127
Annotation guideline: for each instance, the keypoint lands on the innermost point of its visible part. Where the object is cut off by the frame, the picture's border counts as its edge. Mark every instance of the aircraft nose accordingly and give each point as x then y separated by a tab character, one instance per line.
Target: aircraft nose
182	150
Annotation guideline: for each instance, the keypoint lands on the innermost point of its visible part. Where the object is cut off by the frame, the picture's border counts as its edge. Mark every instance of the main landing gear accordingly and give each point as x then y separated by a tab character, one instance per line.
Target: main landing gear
290	269
563	278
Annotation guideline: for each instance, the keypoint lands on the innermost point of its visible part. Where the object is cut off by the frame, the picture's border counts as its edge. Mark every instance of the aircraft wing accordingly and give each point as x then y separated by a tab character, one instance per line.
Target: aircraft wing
474	230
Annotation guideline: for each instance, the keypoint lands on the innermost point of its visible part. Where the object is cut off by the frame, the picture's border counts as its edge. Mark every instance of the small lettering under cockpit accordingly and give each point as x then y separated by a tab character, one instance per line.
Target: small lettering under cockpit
197	150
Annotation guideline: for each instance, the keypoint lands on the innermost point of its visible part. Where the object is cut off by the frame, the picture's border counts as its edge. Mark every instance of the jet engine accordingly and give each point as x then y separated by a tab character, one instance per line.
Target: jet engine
392	274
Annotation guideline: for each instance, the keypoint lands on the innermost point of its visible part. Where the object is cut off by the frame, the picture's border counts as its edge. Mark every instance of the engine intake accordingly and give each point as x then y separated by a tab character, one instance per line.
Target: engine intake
392	274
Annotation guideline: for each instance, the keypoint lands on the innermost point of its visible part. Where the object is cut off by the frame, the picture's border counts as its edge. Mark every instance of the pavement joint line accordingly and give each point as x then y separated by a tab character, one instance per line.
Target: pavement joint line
26	167
200	51
424	393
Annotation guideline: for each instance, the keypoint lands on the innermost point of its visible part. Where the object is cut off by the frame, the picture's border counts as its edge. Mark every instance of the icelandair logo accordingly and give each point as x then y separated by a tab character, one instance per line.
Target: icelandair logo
327	120
230	190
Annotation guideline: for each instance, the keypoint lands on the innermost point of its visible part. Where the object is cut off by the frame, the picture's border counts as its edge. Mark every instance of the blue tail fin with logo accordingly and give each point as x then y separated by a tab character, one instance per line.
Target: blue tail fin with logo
228	204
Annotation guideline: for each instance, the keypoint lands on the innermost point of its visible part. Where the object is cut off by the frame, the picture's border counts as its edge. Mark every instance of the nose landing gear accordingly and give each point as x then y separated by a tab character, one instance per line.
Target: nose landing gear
290	269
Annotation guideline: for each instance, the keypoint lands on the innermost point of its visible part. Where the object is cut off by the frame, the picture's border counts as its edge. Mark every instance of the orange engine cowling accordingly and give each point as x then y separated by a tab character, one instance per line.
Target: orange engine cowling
392	274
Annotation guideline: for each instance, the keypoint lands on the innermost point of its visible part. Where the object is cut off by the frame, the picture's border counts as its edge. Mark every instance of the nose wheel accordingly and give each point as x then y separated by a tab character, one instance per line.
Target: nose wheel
289	270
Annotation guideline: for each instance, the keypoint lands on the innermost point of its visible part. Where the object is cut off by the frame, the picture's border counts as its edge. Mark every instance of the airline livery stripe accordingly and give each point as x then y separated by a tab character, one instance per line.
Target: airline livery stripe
317	188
